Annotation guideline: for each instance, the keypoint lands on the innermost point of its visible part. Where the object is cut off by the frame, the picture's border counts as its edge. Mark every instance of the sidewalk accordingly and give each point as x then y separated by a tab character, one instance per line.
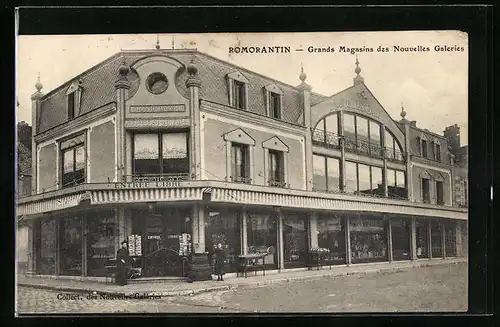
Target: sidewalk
170	288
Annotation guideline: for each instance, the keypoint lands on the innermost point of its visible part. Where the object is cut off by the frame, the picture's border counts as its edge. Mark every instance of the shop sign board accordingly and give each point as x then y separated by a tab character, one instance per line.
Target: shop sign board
148	184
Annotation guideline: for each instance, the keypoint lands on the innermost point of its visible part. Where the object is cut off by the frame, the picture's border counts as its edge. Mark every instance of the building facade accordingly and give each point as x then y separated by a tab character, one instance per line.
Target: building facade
155	144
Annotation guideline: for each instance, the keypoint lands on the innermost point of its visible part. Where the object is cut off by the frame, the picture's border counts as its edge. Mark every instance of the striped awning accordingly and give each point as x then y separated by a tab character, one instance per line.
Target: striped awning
47	205
145	195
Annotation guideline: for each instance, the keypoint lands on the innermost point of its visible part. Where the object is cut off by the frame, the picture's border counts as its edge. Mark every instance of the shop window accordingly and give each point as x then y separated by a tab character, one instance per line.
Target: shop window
223	227
101	232
161	154
436	239
73	159
262	237
426	195
331	235
368	239
450	238
400	239
422	235
319	173
295	238
276	167
240	163
45	246
71	246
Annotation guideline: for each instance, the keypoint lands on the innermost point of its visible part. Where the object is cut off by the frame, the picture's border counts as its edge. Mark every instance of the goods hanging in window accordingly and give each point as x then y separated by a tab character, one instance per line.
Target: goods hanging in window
185	244
135	245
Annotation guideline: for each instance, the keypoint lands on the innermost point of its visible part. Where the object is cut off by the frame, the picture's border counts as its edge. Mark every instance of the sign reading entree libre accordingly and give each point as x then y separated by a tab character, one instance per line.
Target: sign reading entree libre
149	184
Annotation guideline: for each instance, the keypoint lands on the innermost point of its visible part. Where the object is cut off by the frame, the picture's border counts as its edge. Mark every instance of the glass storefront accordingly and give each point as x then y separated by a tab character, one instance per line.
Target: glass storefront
295	239
331	235
71	249
422	231
101	231
223	226
401	239
262	234
450	238
160	229
368	238
45	246
436	239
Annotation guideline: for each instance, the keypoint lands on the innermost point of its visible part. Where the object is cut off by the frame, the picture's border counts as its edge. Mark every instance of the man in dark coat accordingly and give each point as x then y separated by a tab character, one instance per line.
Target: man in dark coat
220	259
123	261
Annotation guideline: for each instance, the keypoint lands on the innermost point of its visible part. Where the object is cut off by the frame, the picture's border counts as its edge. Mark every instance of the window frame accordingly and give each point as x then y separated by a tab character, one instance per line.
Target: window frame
368	144
439	192
245	150
428	183
160	159
234	79
73	147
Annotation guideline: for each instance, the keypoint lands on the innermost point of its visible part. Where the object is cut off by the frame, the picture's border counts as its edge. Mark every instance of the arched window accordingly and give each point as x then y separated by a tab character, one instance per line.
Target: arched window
326	132
392	147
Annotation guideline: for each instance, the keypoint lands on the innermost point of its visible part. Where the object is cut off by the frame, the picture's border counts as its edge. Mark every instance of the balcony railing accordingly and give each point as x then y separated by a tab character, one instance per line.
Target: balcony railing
240	179
333	140
278	184
177	177
373	194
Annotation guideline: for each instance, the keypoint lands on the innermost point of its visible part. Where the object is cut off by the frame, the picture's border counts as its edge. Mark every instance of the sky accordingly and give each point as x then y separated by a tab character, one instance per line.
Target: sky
432	85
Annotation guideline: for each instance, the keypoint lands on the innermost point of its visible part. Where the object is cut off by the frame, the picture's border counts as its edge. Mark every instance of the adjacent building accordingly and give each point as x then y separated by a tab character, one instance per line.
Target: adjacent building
164	142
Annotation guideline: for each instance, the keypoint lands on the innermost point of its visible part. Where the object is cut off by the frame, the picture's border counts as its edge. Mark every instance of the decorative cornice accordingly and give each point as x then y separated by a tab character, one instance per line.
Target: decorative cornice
252	118
77	123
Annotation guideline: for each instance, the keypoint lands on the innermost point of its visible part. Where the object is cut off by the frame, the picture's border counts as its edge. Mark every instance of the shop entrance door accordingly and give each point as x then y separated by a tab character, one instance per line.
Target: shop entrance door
160	243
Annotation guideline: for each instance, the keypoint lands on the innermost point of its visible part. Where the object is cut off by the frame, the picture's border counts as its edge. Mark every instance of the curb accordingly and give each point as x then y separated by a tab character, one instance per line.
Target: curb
329	274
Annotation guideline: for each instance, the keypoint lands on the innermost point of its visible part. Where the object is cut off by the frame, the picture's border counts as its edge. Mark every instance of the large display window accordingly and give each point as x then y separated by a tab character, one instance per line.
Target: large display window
101	231
436	239
295	238
71	249
262	236
45	246
400	238
450	238
223	227
368	238
422	233
331	236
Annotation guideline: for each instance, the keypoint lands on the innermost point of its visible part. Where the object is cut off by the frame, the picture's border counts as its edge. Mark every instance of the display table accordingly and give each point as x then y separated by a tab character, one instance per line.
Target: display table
254	261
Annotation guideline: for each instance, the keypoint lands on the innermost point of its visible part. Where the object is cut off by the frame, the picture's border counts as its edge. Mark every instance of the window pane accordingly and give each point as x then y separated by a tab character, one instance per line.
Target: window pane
100	241
398	155
80	158
146	146
391	177
331	124
351	185
331	235
295	239
319	173
333	174
71	246
261	235
68	161
374	138
368	239
362	125
73	141
349	132
174	146
319	132
400	179
364	179
377	181
223	228
389	141
45	246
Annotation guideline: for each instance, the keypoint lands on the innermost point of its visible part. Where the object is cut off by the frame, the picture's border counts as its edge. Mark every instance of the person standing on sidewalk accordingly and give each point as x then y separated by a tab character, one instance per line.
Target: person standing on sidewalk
220	259
123	261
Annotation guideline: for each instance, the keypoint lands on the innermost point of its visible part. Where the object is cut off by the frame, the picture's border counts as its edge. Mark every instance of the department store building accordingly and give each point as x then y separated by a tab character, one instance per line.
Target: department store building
158	143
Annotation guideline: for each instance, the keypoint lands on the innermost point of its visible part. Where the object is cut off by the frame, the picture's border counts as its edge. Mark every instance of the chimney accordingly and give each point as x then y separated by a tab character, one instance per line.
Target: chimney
452	133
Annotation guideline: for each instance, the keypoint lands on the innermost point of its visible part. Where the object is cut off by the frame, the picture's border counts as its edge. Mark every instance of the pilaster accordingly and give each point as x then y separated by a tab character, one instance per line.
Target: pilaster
389	239
347	240
31	268
58	245
281	249
313	229
429	238
193	83
122	86
407	156
384	156
342	151
198	234
84	245
443	239
243	233
413	237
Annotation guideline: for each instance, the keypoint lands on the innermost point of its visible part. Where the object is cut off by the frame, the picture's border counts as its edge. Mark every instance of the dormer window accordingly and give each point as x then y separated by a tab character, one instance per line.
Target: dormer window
73	96
238	95
274	101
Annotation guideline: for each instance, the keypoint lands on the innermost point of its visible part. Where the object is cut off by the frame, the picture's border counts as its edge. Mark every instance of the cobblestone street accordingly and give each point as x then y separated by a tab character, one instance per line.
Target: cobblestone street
436	288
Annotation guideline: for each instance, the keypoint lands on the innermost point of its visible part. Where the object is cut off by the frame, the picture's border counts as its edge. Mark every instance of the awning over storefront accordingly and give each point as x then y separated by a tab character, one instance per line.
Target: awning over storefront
145	195
333	202
48	205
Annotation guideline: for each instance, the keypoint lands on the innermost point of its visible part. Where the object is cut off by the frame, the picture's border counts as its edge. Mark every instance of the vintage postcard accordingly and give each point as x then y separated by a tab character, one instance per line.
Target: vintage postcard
235	173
